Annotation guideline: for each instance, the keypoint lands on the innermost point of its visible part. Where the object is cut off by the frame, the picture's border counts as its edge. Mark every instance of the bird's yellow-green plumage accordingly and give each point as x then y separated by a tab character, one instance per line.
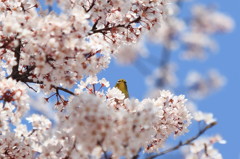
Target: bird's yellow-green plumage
122	86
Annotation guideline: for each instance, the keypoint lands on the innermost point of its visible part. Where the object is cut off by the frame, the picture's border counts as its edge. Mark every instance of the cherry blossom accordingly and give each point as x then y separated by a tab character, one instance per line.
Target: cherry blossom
122	127
203	148
58	57
205	22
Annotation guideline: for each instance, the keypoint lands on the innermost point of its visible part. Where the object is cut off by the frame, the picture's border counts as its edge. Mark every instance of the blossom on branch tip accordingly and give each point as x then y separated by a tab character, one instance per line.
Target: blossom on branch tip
206	117
203	148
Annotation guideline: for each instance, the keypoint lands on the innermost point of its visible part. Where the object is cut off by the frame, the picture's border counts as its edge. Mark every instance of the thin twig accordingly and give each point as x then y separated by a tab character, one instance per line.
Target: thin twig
32	132
17	52
30	87
187	142
63	89
91	6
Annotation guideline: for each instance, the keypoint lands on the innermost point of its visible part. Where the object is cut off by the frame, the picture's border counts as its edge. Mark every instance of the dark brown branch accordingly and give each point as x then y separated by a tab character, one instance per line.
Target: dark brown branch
6	42
17	53
32	132
187	142
94	27
55	87
104	30
26	80
24	77
91	6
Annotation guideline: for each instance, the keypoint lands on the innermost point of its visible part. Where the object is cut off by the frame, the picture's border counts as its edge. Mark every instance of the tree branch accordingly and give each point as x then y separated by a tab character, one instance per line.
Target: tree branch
187	142
91	6
104	30
17	52
63	89
24	76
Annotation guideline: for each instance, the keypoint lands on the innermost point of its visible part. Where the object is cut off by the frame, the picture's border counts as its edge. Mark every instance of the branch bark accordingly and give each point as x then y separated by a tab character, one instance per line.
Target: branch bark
187	142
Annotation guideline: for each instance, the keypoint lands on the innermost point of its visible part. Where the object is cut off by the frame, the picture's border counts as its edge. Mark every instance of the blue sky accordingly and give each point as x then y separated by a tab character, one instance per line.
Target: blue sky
223	104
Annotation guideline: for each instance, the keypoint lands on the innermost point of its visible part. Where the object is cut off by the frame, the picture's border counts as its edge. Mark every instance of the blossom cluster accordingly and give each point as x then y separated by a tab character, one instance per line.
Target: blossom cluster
22	143
193	33
15	102
62	48
205	22
122	126
168	33
93	123
14	147
53	51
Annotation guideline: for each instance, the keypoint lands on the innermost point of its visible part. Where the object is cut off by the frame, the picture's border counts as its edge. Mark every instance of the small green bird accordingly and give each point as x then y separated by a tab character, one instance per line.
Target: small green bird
122	86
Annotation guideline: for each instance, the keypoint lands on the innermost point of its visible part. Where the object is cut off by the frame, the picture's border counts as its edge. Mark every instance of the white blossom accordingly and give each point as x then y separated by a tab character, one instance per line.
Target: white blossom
120	126
78	42
54	54
206	117
129	53
168	33
203	148
205	22
12	146
16	98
